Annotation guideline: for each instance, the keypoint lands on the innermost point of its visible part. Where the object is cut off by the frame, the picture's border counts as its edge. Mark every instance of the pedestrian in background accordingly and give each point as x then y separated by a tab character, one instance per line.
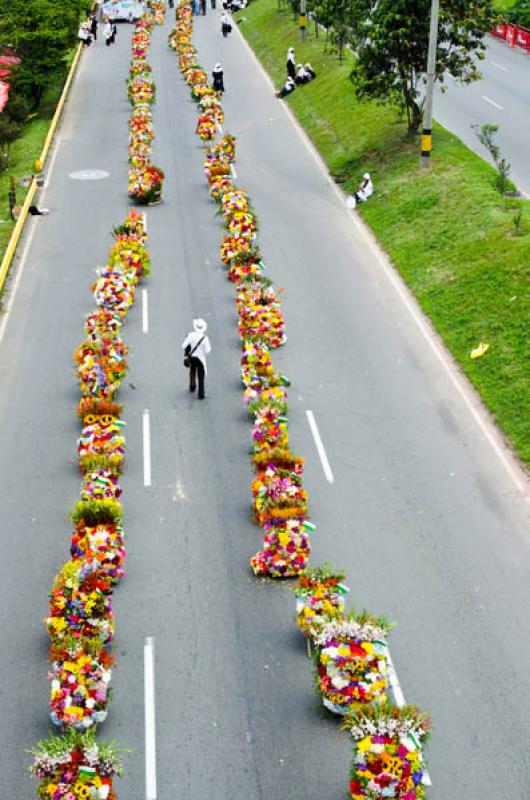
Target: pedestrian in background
196	347
107	33
93	26
290	65
218	78
83	34
114	32
226	24
203	7
171	3
195	7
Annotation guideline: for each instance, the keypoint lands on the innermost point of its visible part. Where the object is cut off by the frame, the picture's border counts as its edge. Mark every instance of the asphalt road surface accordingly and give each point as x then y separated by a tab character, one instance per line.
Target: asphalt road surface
422	514
501	98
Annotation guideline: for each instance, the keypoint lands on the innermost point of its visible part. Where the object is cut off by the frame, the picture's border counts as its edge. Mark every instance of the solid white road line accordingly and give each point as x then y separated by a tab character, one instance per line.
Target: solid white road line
150	727
233	170
144	215
399	697
320	447
492	102
50	168
147	448
220	129
499	66
460	383
145	311
22	263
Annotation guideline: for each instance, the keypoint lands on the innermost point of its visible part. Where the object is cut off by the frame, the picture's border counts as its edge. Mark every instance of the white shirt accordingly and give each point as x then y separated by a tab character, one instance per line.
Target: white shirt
202	350
365	191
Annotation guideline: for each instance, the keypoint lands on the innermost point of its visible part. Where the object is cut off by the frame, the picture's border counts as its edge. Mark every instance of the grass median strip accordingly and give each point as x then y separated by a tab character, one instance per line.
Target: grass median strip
448	231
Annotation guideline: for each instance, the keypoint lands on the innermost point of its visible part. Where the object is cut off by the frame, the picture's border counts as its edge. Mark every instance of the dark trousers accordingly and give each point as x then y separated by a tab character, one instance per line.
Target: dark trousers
197	369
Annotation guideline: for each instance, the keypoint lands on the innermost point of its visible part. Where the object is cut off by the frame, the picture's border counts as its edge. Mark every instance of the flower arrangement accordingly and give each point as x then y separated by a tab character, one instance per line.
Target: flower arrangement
268	397
130	255
102	545
233	246
388	758
270	430
226	146
80	606
260	313
219	184
286	549
114	290
351	661
206	127
141	89
79	689
320	595
159	11
277	498
75	766
145	185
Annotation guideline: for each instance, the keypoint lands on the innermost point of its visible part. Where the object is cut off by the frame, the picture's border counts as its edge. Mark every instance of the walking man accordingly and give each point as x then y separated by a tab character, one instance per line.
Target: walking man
196	347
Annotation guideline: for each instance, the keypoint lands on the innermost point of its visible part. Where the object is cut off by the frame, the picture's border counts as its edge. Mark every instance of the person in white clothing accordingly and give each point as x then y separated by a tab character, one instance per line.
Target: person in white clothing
365	190
196	347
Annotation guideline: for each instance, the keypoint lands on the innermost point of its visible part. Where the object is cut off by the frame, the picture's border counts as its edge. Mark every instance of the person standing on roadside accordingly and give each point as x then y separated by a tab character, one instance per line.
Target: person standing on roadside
196	347
226	24
93	26
107	33
203	7
290	65
171	3
218	78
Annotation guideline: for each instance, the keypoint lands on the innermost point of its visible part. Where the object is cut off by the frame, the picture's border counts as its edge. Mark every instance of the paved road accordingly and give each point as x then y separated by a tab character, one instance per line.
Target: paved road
501	98
422	515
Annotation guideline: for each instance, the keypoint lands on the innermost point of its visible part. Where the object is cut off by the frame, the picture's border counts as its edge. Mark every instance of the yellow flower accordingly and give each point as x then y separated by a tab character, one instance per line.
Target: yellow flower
365	744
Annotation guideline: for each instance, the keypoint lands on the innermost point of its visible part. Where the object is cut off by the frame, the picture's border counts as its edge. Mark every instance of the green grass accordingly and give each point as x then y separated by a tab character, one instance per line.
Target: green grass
446	229
24	153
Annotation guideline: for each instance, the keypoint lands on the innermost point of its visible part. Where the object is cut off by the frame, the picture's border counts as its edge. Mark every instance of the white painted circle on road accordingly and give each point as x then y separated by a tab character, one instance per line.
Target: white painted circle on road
89	175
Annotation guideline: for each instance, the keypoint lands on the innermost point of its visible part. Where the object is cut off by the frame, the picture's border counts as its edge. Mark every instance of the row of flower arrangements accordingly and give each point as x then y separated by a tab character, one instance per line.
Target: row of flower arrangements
350	650
145	180
80	622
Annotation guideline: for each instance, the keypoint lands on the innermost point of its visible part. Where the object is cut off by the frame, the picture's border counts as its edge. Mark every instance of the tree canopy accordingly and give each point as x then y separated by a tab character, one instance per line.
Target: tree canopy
42	32
391	44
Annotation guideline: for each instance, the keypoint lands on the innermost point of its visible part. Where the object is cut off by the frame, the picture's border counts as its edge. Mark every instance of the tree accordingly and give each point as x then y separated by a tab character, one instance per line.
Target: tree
486	136
391	44
42	32
11	122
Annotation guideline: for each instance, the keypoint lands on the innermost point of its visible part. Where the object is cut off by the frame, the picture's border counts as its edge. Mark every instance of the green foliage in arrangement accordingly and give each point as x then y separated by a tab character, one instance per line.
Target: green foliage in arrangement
97	512
447	230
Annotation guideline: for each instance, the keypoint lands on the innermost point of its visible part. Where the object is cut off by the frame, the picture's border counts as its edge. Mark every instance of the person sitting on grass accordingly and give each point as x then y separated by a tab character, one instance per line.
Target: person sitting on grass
310	71
288	87
302	76
365	190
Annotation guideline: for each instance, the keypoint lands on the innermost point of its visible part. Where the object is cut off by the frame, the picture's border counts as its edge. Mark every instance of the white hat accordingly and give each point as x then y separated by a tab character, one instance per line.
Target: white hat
291	50
366	176
218	66
200	325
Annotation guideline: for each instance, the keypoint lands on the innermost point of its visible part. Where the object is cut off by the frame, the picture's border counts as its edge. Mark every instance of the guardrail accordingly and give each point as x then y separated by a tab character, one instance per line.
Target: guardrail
513	35
19	227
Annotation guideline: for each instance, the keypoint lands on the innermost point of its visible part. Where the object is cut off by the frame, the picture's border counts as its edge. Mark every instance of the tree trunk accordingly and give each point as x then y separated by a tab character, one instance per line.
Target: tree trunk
416	118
